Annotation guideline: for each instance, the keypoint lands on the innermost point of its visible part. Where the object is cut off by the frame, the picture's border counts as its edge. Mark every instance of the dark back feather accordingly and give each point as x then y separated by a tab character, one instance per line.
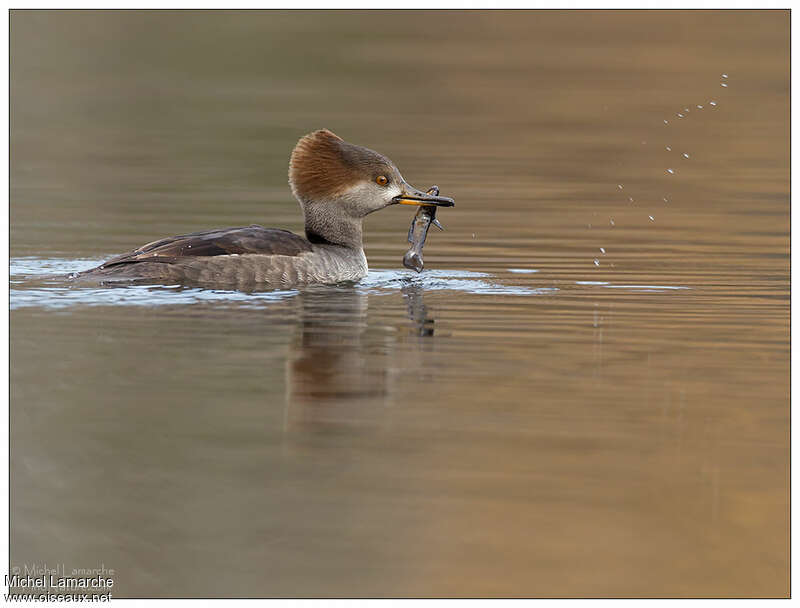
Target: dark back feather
252	239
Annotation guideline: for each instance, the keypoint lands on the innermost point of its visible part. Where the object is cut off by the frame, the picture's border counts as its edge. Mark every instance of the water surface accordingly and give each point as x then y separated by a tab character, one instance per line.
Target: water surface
582	395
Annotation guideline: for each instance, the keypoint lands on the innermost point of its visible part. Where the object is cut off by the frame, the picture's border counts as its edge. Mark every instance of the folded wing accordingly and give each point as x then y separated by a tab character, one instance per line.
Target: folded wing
247	240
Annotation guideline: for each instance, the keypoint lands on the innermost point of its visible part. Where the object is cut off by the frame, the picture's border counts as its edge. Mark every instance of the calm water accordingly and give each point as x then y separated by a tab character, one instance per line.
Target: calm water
531	416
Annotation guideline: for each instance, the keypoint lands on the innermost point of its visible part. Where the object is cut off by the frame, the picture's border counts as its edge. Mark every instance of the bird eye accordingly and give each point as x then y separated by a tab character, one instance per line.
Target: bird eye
381	180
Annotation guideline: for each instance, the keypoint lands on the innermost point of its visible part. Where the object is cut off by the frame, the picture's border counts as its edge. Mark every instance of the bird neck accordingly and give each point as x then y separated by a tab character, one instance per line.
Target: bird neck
324	226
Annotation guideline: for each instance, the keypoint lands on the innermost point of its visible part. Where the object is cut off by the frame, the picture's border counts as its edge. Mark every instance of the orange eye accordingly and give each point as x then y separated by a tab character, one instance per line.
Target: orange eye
381	180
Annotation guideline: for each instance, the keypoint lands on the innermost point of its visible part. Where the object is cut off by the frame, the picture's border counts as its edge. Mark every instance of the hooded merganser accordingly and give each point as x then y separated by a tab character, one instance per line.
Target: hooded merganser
337	184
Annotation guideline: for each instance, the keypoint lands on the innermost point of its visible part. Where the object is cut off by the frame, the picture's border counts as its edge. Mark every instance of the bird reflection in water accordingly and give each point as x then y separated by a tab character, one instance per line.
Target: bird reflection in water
342	363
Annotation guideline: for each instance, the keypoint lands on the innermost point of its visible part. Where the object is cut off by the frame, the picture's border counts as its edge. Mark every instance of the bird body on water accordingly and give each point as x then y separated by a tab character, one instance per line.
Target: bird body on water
336	183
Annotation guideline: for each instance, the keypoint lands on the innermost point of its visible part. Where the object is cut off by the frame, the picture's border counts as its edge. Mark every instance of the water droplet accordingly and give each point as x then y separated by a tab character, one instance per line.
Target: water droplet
685	109
680	115
671	171
712	103
665	199
619	186
699	107
685	155
630	199
669	149
722	84
473	235
602	250
724	75
666	122
652	219
611	221
596	262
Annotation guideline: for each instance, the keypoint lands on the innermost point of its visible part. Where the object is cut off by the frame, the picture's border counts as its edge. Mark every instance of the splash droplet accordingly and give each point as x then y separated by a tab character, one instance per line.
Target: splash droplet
671	171
669	149
722	84
619	186
596	262
724	75
685	109
666	122
712	103
611	221
665	199
602	250
685	155
652	219
699	107
680	115
630	199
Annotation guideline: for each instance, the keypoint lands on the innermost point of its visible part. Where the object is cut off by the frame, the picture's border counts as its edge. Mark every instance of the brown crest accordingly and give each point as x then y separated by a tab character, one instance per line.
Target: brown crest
323	164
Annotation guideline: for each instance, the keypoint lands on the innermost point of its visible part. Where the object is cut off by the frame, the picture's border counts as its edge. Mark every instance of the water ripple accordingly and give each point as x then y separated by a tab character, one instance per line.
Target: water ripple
38	282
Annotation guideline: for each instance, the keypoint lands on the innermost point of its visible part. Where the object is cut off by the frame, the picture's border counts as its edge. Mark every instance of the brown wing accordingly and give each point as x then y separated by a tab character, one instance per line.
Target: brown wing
252	239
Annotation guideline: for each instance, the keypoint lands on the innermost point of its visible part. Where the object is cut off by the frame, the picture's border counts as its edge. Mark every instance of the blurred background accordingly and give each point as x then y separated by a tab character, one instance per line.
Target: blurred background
589	399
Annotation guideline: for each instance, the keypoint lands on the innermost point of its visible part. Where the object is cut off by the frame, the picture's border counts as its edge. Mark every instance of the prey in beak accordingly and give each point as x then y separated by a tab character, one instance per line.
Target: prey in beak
411	196
426	215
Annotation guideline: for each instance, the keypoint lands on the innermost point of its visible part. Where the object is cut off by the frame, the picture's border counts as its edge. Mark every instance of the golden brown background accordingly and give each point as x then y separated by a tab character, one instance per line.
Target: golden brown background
571	439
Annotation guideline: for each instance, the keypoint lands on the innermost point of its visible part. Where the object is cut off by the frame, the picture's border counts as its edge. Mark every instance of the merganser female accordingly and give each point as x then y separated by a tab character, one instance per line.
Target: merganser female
337	184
